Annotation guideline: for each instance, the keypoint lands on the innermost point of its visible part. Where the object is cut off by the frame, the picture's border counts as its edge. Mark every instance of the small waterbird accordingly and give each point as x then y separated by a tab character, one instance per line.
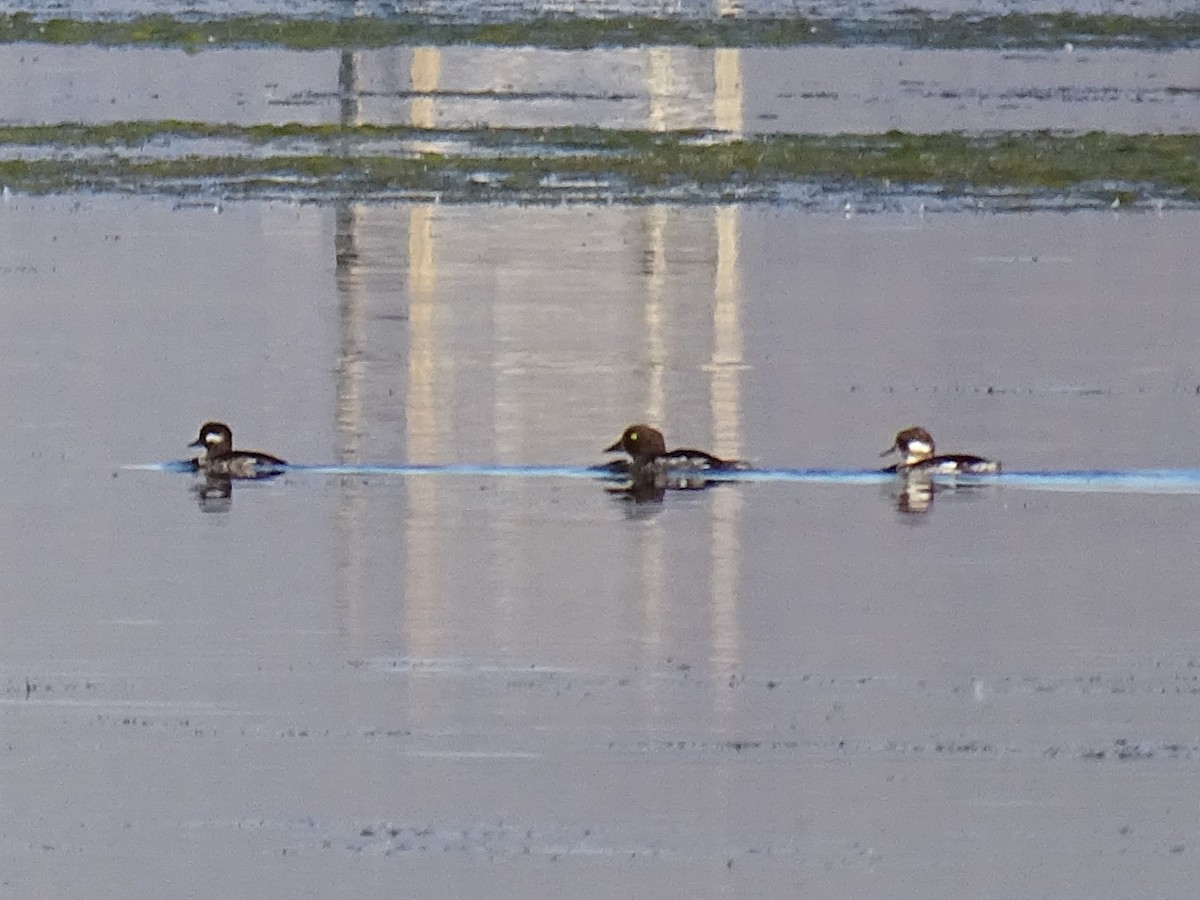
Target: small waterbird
651	463
220	459
916	446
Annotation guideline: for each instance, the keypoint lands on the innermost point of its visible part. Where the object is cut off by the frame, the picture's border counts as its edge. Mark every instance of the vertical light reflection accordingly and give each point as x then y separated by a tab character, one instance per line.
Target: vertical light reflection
352	333
725	399
348	96
424	434
352	312
727	92
660	84
348	390
725	366
425	72
654	313
725	378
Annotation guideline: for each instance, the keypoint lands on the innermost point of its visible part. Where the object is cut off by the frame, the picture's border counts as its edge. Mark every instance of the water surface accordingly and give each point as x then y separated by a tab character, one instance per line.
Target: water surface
331	683
821	90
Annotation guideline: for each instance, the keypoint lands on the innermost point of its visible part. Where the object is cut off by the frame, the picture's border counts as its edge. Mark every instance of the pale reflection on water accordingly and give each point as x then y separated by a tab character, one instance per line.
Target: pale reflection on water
431	397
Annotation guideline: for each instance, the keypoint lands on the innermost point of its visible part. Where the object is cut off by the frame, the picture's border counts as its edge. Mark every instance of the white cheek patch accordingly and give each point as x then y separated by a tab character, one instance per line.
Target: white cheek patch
919	448
212	438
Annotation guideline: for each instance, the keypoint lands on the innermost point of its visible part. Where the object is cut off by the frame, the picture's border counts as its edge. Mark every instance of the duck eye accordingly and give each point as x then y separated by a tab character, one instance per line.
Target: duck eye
633	435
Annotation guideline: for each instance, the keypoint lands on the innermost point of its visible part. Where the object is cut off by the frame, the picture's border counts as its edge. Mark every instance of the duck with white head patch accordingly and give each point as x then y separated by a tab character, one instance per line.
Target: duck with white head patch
920	454
220	459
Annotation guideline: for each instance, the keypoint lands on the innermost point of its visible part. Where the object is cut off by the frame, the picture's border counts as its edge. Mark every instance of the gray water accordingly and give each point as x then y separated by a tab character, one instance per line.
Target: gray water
448	685
827	90
335	686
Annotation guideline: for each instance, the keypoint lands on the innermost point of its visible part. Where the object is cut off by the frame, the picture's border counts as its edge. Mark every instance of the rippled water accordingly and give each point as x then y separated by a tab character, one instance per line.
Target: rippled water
337	684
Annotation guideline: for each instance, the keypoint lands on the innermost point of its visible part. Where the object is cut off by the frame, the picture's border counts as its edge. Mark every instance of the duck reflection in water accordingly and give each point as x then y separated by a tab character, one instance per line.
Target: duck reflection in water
913	493
214	494
652	469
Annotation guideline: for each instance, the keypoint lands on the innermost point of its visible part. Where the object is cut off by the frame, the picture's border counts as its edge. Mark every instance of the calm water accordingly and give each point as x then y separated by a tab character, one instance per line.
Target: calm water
803	89
334	685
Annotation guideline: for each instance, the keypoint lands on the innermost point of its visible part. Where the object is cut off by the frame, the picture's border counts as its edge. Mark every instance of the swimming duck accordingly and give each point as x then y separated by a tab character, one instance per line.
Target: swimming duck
916	446
652	463
220	459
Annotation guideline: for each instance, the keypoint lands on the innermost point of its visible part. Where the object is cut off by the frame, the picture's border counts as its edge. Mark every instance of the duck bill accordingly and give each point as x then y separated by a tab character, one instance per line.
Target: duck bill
889	451
615	448
198	444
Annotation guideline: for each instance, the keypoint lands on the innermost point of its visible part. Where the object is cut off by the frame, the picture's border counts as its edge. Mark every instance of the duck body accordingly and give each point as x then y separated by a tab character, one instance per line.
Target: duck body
954	464
919	454
651	463
221	460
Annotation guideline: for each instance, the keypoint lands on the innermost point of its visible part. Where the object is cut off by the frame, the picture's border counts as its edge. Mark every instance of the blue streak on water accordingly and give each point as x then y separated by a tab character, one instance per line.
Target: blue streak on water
1144	481
452	469
1134	481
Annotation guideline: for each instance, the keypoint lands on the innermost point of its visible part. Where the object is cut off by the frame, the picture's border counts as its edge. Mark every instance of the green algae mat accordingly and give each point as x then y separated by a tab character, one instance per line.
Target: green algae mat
912	28
544	164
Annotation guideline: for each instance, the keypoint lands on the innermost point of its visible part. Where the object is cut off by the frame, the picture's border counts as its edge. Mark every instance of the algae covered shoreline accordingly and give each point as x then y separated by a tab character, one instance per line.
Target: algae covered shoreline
495	162
910	28
545	164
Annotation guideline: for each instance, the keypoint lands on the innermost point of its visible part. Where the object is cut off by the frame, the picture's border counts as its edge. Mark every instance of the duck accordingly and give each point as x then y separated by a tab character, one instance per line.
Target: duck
222	461
920	455
651	463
